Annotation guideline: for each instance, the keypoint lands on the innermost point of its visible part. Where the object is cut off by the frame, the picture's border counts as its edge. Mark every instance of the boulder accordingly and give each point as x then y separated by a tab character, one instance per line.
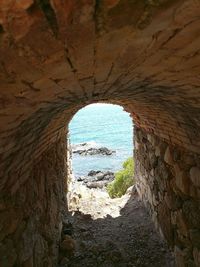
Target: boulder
97	179
168	158
85	150
68	245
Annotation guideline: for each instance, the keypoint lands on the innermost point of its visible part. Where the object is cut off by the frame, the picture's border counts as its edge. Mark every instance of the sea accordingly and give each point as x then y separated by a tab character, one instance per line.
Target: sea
101	125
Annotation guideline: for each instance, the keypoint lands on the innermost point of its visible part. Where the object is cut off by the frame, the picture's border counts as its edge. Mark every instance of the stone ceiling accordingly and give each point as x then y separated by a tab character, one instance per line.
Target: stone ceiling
57	56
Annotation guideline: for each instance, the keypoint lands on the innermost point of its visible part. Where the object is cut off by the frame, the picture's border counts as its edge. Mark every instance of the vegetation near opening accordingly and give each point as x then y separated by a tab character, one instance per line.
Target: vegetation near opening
123	180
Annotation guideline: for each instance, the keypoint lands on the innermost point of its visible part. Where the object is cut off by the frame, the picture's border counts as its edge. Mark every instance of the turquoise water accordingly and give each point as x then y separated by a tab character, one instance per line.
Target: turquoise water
102	125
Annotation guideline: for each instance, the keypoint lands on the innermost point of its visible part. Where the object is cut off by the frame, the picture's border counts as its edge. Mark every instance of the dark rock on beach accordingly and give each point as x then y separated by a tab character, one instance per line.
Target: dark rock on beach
97	179
84	149
100	175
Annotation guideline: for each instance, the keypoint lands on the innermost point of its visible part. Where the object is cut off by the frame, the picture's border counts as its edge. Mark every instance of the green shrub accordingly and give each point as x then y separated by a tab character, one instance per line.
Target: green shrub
123	180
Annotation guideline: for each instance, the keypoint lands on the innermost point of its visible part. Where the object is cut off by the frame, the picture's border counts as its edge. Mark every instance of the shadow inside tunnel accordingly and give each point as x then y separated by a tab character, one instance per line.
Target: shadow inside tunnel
129	240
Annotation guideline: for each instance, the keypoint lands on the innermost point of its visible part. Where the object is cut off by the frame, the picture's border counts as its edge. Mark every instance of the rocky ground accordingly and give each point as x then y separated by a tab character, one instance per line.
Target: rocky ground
108	232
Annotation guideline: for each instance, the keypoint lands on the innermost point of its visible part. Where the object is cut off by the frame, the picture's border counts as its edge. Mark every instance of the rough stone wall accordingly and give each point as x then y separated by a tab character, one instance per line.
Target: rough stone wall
168	181
31	219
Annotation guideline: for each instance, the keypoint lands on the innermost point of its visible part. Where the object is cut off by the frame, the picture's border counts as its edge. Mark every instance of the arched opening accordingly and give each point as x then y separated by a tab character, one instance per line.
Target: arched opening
101	139
100	126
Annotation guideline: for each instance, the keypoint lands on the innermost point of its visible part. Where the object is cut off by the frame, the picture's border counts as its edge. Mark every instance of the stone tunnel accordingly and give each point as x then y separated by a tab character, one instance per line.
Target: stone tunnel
56	56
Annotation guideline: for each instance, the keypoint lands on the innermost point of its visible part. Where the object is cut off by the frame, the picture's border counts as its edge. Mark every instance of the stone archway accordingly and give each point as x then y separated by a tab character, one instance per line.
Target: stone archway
57	56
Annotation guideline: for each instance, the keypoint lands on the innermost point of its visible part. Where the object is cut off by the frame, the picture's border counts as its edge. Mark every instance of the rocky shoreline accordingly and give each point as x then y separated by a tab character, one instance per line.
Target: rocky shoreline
85	149
96	179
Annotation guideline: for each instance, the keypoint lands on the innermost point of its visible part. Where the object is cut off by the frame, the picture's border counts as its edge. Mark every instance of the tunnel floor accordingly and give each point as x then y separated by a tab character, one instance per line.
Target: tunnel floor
117	233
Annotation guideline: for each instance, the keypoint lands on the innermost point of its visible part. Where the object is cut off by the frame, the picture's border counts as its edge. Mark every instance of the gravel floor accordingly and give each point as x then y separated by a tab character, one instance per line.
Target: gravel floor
115	233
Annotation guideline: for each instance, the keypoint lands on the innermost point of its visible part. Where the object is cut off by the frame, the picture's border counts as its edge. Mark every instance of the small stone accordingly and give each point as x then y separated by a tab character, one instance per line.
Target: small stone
151	139
136	145
152	172
173	217
132	190
111	3
155	200
24	4
168	156
182	181
157	151
68	245
195	176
